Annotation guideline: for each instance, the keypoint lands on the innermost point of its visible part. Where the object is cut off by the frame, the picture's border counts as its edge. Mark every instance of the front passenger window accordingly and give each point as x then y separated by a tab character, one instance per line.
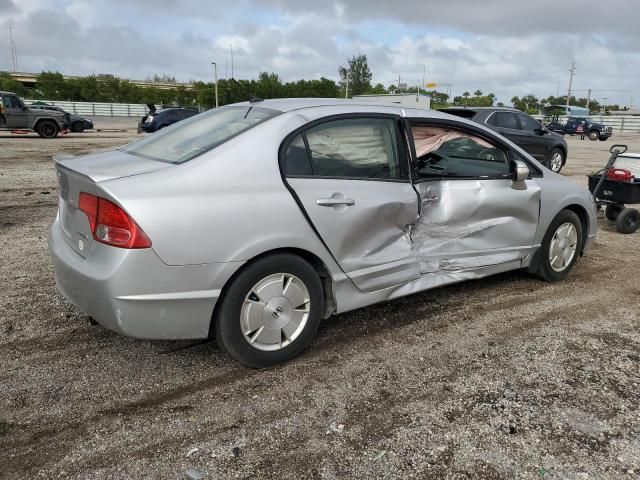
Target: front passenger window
445	152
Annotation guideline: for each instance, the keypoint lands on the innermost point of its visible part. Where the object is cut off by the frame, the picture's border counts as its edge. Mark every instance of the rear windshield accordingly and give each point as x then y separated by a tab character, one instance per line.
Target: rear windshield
459	112
189	138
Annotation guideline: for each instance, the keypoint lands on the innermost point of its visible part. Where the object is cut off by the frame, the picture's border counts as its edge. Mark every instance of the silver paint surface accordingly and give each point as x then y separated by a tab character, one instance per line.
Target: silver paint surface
210	216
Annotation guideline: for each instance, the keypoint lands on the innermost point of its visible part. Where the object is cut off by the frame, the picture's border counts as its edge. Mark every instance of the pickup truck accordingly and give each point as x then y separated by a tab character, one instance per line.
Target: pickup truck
595	131
15	115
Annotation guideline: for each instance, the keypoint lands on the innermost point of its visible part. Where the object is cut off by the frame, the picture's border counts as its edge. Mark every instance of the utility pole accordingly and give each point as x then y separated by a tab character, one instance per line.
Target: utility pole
215	79
226	68
346	90
604	104
14	55
572	73
398	82
231	48
588	98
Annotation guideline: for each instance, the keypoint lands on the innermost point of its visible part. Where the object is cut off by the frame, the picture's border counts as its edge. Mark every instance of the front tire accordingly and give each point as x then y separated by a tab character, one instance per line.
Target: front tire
47	129
594	135
556	160
270	312
77	127
560	247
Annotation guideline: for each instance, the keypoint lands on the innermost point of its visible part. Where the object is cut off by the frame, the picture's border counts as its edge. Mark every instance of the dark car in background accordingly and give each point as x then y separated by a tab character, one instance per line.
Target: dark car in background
548	147
77	123
158	119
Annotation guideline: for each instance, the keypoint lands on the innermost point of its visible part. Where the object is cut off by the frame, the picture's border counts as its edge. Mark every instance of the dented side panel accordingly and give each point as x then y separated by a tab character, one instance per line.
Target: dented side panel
370	238
467	224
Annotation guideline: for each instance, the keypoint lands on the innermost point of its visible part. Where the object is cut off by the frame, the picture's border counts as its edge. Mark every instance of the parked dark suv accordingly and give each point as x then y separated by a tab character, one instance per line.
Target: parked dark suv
157	119
547	147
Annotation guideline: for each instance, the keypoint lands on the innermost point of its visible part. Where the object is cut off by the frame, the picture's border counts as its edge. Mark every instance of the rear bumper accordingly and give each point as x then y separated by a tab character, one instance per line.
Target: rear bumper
134	293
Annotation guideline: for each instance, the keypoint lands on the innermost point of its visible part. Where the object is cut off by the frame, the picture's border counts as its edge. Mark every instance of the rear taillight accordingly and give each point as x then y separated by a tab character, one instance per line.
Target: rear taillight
110	224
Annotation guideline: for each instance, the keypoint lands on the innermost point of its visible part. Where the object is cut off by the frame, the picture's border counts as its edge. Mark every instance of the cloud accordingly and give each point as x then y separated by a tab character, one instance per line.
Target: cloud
7	6
509	48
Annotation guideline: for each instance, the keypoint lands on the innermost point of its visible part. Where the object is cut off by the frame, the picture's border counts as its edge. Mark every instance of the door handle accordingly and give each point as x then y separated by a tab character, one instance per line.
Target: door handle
430	200
335	202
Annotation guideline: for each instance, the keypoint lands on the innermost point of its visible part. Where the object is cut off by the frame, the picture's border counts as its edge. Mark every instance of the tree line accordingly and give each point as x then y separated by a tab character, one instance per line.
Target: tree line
355	75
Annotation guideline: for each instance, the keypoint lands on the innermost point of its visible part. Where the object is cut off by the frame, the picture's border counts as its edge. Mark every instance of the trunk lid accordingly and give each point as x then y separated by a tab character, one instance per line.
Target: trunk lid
83	174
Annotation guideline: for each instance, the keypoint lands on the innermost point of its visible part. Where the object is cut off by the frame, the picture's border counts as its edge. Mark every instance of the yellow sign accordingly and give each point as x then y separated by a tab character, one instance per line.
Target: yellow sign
431	85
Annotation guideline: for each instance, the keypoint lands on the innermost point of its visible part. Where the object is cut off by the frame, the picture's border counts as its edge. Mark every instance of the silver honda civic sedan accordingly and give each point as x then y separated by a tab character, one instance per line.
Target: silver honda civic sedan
252	222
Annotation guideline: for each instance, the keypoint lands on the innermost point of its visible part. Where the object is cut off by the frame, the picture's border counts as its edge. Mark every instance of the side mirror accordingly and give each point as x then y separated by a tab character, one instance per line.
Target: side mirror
541	131
519	171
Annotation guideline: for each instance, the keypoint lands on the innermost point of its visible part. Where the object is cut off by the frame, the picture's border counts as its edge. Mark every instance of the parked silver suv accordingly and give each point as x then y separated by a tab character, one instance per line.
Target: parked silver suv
253	221
15	115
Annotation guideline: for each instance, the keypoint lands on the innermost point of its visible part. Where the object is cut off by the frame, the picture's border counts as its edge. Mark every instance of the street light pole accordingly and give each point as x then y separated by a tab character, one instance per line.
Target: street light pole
215	80
346	90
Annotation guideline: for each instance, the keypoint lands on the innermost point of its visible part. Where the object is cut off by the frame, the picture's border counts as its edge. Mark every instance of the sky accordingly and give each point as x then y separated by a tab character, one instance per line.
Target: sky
507	47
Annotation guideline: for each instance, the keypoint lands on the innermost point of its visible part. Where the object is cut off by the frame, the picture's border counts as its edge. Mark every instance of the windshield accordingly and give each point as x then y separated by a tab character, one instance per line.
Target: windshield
189	138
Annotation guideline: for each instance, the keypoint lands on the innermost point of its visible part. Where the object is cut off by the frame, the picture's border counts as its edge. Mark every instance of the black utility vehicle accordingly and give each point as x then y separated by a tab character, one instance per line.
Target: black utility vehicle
547	147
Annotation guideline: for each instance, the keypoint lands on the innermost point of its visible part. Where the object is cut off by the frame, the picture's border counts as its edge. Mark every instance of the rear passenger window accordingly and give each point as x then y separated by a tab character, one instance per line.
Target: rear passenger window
296	160
503	120
355	148
528	123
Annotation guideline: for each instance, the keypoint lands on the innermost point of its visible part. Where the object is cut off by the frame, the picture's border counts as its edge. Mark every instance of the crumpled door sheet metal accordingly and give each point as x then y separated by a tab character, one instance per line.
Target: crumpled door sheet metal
466	224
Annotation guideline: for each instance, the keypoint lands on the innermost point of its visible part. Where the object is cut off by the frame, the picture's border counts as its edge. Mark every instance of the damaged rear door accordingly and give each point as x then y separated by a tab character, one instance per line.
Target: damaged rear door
472	215
350	175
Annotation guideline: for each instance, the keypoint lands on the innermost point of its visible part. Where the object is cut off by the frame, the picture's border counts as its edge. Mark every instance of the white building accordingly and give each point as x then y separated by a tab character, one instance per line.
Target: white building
415	100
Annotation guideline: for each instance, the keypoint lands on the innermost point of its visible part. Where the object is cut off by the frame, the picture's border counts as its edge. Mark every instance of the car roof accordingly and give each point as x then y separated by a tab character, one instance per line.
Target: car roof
6	93
496	109
302	105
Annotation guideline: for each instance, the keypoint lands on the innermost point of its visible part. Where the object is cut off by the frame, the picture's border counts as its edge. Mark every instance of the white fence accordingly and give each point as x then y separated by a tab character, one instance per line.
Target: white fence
102	109
619	123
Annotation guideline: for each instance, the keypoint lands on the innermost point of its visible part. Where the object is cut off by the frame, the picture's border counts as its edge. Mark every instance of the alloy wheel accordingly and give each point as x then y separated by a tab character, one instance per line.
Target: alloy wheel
275	312
563	247
556	162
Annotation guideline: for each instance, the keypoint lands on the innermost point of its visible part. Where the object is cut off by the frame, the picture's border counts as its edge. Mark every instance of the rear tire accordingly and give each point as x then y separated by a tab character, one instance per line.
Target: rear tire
560	247
259	323
612	211
628	220
47	129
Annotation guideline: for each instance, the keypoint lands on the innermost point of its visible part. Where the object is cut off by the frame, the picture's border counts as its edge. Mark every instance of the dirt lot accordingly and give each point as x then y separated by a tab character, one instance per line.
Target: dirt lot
506	377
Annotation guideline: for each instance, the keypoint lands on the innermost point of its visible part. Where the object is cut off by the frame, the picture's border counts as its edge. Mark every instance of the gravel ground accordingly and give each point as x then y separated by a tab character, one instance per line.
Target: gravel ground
505	377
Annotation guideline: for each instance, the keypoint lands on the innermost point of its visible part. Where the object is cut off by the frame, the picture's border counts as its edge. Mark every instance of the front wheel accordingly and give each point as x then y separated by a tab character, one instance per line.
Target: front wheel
556	160
628	220
77	127
270	312
594	135
560	246
47	129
